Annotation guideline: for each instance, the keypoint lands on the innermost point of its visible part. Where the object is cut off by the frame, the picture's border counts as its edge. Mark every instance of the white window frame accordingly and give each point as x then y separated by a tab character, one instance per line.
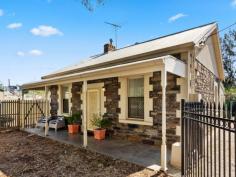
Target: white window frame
60	90
123	103
128	79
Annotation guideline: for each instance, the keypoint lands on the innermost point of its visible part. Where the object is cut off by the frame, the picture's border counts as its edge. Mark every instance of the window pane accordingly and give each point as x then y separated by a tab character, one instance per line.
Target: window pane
136	88
65	99
65	92
65	106
136	107
136	98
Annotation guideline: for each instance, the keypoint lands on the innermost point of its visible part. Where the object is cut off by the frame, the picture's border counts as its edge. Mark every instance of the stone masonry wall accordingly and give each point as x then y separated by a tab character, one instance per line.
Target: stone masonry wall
172	105
111	104
54	100
203	82
152	134
138	133
76	101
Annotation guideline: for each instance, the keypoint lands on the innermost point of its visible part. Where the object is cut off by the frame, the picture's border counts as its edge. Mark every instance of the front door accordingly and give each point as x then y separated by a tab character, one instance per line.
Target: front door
93	105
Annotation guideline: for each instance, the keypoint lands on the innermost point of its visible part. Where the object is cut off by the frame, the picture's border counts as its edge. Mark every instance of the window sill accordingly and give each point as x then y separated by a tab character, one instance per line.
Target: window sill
66	114
135	121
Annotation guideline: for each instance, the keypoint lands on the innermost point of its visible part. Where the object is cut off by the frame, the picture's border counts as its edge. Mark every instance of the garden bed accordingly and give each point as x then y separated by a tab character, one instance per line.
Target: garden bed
23	154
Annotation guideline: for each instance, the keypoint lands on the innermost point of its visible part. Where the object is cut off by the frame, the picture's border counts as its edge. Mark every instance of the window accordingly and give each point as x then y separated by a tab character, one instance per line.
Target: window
136	98
65	100
65	103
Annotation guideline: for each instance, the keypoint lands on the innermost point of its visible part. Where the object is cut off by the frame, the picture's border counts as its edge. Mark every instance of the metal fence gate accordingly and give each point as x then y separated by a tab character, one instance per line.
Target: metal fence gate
208	140
21	113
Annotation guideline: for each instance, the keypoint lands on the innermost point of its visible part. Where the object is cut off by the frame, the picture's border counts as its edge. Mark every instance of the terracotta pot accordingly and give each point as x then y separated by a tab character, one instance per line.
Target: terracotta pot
99	134
73	128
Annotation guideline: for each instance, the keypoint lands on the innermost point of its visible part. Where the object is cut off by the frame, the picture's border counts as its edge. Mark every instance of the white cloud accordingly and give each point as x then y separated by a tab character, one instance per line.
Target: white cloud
176	17
45	31
14	25
1	12
35	52
233	3
20	54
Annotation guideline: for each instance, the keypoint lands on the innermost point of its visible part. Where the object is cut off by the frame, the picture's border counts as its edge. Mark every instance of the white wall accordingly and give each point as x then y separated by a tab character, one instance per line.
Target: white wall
207	56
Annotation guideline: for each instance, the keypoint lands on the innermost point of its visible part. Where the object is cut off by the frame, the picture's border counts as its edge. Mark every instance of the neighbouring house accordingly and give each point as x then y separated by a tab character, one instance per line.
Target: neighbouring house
1	94
140	87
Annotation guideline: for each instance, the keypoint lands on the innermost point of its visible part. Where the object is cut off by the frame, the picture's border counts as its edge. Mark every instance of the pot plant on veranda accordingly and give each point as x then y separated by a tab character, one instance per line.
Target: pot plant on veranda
101	124
74	122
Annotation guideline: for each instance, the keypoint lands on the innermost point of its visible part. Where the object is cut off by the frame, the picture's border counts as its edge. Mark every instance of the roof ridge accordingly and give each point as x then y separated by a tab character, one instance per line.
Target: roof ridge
171	34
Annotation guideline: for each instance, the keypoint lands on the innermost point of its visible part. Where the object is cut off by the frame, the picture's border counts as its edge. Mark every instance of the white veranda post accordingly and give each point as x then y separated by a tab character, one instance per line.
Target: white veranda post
46	111
85	136
163	146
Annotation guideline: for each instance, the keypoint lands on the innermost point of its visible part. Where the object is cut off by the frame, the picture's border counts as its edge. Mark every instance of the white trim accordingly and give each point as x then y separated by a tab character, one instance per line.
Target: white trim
98	91
148	102
163	145
84	120
123	103
60	106
135	121
138	67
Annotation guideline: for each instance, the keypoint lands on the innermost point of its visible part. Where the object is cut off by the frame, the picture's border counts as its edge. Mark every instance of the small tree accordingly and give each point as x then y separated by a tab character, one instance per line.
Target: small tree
228	45
89	4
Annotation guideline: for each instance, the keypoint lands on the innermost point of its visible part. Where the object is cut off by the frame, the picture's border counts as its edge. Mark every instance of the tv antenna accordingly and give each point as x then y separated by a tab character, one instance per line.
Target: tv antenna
115	27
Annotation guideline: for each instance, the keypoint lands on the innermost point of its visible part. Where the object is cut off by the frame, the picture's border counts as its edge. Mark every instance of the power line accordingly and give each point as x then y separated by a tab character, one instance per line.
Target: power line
218	32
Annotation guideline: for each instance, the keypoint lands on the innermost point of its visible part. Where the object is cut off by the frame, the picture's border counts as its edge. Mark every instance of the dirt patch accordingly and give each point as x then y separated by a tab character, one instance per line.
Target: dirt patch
26	155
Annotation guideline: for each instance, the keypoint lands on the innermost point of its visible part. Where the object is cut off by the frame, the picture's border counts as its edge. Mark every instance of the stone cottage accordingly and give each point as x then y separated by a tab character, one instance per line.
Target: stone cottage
139	87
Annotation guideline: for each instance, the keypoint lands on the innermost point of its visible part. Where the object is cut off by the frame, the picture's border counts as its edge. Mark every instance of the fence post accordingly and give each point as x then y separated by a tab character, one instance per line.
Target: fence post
23	114
182	137
18	113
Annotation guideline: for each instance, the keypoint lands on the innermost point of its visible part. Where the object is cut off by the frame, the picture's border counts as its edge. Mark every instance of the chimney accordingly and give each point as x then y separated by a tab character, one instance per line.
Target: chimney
109	47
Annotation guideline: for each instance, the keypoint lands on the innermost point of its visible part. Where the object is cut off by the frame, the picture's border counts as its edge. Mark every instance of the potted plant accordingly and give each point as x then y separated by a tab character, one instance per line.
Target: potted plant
101	124
74	122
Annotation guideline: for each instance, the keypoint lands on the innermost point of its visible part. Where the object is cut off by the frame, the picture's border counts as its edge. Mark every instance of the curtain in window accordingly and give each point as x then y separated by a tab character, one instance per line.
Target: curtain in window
136	98
136	87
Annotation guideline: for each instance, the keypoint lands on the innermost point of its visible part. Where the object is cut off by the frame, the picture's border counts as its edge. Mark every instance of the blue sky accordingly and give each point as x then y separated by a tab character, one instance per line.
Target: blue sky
40	36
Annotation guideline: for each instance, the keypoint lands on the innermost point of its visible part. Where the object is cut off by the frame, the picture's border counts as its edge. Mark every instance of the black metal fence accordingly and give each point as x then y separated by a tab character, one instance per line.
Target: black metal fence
208	139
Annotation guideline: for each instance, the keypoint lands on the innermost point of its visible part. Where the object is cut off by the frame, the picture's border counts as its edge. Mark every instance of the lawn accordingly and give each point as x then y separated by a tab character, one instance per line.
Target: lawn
26	155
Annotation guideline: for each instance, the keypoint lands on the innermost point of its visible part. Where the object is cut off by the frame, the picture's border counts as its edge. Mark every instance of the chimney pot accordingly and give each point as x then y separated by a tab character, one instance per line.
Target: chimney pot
109	47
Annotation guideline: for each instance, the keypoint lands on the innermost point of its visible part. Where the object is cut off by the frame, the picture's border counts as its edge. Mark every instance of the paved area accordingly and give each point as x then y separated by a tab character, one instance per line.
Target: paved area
141	154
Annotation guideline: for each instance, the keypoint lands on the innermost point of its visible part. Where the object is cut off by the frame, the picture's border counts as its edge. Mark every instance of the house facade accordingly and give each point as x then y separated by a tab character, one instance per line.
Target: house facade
140	87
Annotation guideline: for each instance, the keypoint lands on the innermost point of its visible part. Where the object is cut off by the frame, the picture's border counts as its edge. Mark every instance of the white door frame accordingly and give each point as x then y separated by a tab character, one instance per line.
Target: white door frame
99	87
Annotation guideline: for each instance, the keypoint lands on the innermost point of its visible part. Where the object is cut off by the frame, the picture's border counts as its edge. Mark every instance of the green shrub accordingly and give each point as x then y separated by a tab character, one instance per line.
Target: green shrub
70	120
100	122
76	118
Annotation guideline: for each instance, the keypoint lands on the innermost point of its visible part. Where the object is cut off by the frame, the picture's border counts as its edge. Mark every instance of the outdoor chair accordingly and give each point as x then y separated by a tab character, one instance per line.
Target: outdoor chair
41	122
57	122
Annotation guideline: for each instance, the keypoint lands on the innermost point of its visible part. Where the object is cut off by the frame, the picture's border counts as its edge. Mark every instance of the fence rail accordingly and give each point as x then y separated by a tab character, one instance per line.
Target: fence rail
21	113
208	140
